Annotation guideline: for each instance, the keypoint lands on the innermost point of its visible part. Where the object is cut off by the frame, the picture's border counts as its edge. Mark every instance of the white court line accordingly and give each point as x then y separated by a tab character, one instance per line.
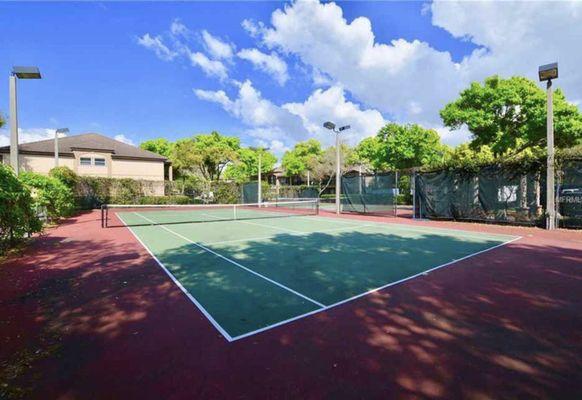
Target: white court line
256	223
323	308
298	234
420	228
182	288
235	263
268	327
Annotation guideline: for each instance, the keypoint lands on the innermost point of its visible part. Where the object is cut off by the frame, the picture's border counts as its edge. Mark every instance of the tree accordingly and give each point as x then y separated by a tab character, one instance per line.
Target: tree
323	167
464	156
159	146
2	120
407	146
247	164
207	154
298	160
509	115
369	153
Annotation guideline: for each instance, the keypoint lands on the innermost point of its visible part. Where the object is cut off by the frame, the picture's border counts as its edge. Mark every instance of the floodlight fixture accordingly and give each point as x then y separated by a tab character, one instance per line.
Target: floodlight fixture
329	125
62	130
17	73
26	72
343	128
548	72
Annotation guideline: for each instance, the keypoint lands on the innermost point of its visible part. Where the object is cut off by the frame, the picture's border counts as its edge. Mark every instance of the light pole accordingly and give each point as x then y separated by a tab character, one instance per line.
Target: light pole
63	131
331	126
20	73
547	73
259	150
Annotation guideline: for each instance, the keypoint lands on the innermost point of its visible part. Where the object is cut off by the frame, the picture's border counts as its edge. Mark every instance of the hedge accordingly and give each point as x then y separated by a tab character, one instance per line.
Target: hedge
18	217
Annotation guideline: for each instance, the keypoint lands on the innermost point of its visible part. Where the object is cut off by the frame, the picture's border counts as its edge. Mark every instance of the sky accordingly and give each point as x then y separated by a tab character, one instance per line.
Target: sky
271	72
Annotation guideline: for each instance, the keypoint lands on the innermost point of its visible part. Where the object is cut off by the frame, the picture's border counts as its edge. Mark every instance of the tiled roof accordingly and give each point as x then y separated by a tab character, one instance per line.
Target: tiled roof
86	141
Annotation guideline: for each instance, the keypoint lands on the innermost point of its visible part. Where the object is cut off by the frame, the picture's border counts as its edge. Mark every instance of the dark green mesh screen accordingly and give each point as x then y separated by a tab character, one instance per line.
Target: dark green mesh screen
494	193
570	195
372	194
250	193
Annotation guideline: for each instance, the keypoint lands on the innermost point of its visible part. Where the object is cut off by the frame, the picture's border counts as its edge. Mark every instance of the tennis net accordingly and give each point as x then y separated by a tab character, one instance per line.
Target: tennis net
140	215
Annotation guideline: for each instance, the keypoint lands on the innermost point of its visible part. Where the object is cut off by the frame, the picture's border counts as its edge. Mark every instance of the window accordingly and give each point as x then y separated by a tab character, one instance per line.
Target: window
99	162
85	161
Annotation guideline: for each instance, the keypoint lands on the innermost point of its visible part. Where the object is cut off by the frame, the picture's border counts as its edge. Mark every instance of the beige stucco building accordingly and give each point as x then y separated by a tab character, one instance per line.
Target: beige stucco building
93	154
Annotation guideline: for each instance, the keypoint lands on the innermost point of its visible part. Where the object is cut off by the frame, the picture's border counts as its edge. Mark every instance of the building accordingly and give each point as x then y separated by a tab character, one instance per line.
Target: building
92	154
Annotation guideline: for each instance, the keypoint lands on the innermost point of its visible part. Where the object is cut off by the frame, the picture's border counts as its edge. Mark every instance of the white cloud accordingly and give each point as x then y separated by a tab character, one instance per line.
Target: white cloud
331	105
409	79
282	126
269	63
178	29
218	96
217	48
253	29
124	139
157	45
28	135
210	67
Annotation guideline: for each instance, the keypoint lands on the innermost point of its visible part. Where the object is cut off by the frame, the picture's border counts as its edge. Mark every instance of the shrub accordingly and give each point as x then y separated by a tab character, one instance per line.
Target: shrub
49	193
225	192
66	175
17	212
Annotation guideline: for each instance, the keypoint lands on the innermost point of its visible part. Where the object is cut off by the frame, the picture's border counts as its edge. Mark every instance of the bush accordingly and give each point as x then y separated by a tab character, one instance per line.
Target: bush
167	200
49	193
225	192
17	212
66	175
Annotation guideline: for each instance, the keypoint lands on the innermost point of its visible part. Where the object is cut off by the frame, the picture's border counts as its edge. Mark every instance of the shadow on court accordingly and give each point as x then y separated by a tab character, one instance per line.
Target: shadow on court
88	314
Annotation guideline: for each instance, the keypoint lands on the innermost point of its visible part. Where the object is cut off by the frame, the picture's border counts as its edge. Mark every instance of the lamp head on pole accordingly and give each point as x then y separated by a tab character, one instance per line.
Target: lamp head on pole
62	130
548	72
26	72
343	128
329	125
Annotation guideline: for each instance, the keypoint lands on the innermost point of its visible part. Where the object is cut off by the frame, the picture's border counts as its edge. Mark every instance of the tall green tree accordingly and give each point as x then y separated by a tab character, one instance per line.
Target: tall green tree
207	154
159	146
247	164
298	160
407	146
2	120
509	115
369	153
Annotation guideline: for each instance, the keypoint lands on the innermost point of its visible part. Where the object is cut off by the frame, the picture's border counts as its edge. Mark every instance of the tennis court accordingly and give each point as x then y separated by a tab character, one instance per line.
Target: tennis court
250	268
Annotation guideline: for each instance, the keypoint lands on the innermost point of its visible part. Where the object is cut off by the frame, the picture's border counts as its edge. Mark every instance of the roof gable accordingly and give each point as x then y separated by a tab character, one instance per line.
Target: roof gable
87	141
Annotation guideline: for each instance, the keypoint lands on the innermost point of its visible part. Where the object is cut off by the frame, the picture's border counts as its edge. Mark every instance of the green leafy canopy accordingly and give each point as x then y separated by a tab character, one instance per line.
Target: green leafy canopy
509	115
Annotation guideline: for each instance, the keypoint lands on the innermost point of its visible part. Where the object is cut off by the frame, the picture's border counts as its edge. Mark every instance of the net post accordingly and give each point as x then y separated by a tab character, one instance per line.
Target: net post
396	193
103	208
413	191
317	206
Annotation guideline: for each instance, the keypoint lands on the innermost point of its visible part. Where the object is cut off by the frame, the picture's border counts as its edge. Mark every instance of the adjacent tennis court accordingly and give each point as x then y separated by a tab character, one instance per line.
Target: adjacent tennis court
250	268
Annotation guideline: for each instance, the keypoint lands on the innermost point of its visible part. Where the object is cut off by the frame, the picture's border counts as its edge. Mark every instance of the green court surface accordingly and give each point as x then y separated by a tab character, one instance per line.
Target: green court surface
251	275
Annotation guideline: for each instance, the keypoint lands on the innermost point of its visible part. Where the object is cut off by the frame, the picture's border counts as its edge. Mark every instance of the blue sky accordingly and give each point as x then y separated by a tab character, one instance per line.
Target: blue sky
146	70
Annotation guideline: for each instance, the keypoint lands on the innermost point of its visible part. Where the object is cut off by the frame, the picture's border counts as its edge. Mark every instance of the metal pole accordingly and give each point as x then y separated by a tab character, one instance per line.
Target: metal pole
337	173
13	125
56	149
550	196
260	197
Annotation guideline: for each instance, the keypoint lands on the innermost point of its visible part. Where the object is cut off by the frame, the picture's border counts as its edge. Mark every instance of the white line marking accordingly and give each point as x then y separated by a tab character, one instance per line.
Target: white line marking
257	224
182	288
323	308
419	228
273	236
268	327
236	263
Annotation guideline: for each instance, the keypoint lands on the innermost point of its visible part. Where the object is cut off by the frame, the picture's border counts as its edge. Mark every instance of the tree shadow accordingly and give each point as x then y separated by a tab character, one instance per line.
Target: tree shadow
86	313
